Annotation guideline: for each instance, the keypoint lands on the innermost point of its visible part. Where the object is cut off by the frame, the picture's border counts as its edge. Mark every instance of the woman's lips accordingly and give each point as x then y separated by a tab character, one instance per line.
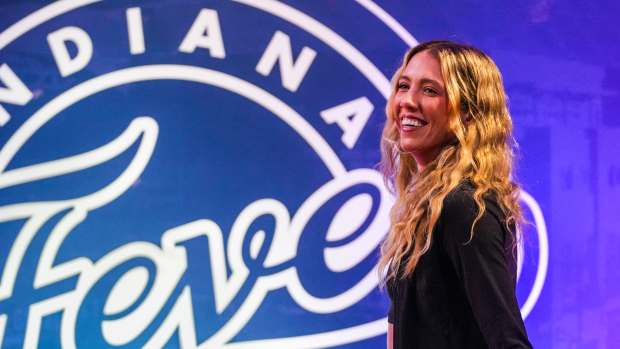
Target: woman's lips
411	123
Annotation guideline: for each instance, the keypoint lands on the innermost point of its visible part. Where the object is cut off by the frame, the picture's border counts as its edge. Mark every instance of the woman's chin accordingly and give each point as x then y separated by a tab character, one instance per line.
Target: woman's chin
409	147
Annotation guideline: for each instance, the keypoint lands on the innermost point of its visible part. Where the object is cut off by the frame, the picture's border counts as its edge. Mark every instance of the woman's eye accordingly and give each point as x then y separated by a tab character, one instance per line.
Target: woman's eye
429	90
403	86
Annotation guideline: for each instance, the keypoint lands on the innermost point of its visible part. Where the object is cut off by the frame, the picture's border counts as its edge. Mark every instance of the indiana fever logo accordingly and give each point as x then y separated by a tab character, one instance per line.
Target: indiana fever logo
183	177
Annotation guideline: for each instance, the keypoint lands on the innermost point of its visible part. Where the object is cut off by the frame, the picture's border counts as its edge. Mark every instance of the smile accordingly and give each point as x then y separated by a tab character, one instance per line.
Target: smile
410	123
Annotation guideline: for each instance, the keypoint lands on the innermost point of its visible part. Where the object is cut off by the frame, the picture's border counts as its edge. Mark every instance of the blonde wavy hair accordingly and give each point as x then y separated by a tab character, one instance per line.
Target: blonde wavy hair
482	153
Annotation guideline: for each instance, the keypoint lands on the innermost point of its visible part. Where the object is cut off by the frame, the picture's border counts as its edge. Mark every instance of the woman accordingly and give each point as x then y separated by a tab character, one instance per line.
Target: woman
449	258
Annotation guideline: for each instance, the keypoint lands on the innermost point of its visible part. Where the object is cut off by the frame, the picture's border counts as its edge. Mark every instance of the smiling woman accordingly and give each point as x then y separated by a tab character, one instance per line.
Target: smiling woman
420	108
447	153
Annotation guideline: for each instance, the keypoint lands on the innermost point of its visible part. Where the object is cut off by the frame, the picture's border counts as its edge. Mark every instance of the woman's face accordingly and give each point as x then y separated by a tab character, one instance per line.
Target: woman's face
421	108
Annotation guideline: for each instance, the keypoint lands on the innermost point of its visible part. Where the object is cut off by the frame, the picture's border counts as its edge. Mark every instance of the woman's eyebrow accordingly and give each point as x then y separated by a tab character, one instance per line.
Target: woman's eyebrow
431	81
422	80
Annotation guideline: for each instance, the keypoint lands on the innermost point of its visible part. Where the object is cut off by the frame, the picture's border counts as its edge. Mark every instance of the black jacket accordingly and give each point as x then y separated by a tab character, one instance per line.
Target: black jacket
461	294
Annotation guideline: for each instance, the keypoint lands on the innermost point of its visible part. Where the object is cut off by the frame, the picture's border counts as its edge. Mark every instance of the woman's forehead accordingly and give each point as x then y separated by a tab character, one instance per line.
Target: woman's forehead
423	66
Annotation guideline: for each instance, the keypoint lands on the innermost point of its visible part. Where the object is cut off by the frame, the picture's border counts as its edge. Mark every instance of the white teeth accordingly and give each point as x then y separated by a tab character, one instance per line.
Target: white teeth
412	122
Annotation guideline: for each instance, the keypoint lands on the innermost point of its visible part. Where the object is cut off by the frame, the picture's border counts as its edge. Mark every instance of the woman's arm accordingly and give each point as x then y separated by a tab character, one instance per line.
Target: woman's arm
484	269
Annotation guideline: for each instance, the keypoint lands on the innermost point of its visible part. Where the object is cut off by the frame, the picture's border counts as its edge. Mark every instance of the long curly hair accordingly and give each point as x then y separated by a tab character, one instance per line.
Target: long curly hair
482	153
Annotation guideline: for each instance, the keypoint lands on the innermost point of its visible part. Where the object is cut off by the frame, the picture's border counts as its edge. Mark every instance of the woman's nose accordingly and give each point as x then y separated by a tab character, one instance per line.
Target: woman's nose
409	100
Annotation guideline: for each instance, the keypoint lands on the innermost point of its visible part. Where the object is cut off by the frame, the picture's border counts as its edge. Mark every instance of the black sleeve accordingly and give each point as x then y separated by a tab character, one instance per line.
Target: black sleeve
483	268
390	287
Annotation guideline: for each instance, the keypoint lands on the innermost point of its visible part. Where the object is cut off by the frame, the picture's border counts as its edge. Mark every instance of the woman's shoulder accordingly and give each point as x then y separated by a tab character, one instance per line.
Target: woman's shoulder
460	200
459	204
460	211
